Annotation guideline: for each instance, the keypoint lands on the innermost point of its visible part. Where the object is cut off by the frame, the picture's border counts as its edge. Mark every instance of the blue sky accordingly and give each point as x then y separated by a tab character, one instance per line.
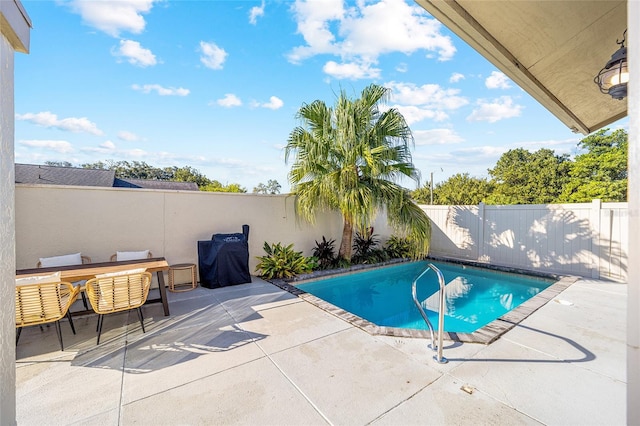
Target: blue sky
216	85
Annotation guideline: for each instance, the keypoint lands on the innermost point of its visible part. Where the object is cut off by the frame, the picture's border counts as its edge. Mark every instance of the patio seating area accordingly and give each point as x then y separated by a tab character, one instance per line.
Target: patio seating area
255	354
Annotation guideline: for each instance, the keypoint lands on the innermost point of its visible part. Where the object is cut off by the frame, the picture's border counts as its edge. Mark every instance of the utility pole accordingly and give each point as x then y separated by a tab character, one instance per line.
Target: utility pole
431	188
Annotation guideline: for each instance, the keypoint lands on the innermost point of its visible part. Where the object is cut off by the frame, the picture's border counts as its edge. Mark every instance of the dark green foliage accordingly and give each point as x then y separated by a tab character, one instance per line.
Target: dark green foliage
342	263
283	262
366	249
324	251
523	177
601	171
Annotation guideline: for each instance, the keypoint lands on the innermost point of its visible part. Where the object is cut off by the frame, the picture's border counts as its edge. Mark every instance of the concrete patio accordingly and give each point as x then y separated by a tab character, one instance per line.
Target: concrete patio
255	354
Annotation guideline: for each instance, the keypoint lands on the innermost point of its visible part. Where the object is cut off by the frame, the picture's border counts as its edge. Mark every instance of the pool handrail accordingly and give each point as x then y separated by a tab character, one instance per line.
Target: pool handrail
438	357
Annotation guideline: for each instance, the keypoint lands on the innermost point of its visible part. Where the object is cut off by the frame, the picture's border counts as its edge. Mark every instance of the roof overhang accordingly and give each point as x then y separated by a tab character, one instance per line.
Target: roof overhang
551	49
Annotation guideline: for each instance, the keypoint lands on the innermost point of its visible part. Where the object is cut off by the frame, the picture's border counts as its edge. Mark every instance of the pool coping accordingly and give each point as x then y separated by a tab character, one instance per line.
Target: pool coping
484	335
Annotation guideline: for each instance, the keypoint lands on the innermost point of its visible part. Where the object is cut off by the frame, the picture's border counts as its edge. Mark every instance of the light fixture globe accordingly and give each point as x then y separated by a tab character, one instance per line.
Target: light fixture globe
613	78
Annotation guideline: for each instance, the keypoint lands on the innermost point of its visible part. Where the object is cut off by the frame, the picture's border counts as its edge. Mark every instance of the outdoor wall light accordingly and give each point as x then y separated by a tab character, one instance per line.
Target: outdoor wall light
613	78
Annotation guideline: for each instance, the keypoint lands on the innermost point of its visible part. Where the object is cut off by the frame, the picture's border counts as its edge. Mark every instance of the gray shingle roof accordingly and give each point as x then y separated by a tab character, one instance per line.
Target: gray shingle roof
53	175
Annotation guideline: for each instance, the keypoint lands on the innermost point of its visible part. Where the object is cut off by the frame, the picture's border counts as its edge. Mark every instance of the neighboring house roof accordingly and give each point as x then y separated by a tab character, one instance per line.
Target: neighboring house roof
53	175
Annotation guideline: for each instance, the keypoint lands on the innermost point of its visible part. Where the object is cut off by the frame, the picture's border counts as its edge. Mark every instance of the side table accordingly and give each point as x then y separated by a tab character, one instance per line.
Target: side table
186	286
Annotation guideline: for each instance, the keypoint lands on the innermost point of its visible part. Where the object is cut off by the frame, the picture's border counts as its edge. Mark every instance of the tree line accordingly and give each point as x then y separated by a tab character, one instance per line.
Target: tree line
142	170
599	171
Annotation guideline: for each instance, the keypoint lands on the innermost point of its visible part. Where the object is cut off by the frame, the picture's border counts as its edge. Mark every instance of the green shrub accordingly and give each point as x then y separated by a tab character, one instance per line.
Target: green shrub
399	247
283	262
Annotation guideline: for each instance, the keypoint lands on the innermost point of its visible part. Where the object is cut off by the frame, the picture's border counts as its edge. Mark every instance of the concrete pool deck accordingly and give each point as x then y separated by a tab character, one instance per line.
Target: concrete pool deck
255	354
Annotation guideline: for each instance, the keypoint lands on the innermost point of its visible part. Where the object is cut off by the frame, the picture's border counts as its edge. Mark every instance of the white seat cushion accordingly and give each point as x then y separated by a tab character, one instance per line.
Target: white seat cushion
66	260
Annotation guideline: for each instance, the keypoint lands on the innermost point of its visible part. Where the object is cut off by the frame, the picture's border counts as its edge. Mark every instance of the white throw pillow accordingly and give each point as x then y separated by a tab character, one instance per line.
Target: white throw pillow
131	255
39	279
66	260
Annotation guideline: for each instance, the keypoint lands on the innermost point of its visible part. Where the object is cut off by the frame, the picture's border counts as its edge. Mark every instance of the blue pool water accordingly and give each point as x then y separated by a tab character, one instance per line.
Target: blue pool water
474	296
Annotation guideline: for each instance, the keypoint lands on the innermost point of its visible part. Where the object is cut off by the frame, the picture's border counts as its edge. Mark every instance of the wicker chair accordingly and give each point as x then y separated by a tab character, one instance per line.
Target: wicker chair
117	292
43	303
131	255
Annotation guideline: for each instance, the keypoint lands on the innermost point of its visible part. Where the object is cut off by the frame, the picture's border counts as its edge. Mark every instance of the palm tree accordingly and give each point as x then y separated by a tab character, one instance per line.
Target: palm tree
350	158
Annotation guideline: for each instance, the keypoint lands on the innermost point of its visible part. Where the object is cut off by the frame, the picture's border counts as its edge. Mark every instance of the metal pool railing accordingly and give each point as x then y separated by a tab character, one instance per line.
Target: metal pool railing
438	357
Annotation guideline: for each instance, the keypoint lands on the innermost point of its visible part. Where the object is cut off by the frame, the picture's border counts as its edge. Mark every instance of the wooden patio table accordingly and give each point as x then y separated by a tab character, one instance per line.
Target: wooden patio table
90	270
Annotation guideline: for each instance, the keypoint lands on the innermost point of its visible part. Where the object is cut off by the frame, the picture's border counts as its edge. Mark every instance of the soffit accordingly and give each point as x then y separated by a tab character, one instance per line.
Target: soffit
552	49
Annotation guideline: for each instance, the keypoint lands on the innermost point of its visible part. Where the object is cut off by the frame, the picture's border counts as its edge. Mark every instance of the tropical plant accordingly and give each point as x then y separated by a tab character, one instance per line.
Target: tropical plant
283	262
324	251
399	247
366	249
272	187
350	158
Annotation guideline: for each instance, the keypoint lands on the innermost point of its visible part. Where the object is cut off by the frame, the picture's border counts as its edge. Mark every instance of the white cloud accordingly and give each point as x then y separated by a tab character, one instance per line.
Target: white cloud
352	70
274	103
255	12
479	154
427	94
230	100
497	80
355	34
71	124
113	17
414	114
429	101
456	77
135	54
108	145
212	56
128	136
436	137
162	91
496	110
313	19
62	147
402	67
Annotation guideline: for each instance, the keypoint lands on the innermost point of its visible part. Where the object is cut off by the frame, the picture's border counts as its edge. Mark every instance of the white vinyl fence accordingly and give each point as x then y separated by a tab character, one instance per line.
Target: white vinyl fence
588	240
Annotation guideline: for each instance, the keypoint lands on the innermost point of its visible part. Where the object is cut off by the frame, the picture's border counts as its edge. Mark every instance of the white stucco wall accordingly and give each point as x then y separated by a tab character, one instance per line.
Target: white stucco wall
14	36
53	220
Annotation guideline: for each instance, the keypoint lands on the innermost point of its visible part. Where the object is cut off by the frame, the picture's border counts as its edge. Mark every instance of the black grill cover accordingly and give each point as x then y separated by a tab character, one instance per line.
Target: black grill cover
224	260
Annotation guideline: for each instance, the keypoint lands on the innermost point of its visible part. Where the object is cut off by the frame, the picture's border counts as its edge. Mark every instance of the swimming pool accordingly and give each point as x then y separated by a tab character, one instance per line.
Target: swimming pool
475	297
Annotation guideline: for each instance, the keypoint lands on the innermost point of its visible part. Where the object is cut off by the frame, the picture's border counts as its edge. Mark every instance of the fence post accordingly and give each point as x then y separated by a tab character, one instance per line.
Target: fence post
480	239
596	207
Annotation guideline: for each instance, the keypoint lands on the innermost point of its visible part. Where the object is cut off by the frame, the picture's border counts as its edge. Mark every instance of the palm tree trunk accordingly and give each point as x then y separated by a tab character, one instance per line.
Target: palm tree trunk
347	238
